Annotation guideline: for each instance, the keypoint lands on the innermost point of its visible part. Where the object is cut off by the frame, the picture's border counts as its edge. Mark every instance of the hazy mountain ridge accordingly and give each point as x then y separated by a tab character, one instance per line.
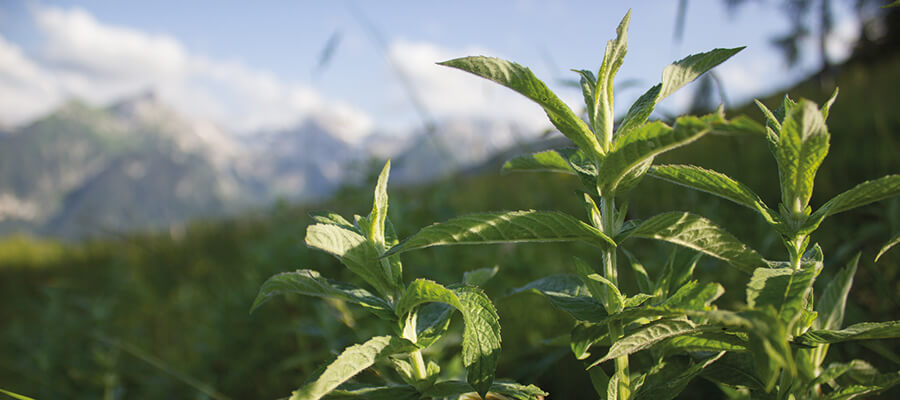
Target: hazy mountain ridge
140	164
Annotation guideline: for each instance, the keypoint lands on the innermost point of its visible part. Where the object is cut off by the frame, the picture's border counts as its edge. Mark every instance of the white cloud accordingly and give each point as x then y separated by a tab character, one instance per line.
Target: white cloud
449	93
83	57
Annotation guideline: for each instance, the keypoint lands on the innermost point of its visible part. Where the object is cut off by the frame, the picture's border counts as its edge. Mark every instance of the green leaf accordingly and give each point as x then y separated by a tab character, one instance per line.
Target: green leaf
332	218
826	108
380	206
802	145
311	283
734	369
432	321
585	335
684	71
504	227
637	300
640	273
481	338
548	160
698	233
785	289
634	150
355	252
514	390
600	287
694	296
833	300
887	246
479	276
860	195
894	4
422	291
588	85
647	336
568	293
601	113
640	110
390	392
350	362
522	80
667	379
714	183
15	396
704	341
860	331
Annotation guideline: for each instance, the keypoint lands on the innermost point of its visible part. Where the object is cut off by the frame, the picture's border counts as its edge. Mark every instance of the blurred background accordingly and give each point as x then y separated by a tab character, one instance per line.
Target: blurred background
158	159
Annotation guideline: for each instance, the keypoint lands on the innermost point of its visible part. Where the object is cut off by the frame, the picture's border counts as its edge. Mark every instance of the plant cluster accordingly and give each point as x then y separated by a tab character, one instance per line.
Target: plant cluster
649	344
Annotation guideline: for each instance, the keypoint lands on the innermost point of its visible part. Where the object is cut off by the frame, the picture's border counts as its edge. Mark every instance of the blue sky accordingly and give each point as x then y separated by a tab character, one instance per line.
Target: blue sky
250	66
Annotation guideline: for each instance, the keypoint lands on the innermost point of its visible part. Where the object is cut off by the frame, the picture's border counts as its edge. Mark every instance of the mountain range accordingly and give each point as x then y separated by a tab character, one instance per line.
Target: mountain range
137	164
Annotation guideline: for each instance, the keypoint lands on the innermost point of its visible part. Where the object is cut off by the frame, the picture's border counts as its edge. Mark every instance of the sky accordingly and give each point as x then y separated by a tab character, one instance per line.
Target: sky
256	66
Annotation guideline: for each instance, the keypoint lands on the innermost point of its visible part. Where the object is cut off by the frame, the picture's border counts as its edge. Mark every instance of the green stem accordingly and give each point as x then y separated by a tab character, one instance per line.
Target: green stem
415	357
616	330
418	364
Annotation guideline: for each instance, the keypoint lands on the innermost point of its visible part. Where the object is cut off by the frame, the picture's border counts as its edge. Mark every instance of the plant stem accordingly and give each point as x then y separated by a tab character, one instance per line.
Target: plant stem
418	364
415	357
616	330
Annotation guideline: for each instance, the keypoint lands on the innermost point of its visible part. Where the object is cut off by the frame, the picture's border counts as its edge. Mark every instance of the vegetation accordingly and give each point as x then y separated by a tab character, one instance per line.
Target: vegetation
160	315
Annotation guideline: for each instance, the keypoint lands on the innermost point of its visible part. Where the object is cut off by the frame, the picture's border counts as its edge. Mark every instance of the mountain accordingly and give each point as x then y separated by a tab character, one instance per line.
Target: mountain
83	170
139	164
456	145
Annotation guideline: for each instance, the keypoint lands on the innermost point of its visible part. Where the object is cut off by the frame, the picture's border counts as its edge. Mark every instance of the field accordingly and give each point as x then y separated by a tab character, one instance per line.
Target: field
166	315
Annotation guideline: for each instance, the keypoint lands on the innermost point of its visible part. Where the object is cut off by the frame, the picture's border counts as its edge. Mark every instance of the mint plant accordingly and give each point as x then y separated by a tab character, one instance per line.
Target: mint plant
669	315
782	292
419	311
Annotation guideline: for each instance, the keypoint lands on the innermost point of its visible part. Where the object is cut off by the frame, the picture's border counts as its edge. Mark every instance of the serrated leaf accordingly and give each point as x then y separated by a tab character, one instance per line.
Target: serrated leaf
311	283
522	80
833	300
548	160
380	206
698	233
640	110
785	289
432	321
584	335
422	291
704	341
479	276
454	388
481	338
355	252
365	392
504	227
634	150
640	273
332	218
802	145
667	379
588	84
887	246
860	331
734	369
694	296
647	336
568	293
600	287
714	183
860	195
637	300
602	111
350	362
687	69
